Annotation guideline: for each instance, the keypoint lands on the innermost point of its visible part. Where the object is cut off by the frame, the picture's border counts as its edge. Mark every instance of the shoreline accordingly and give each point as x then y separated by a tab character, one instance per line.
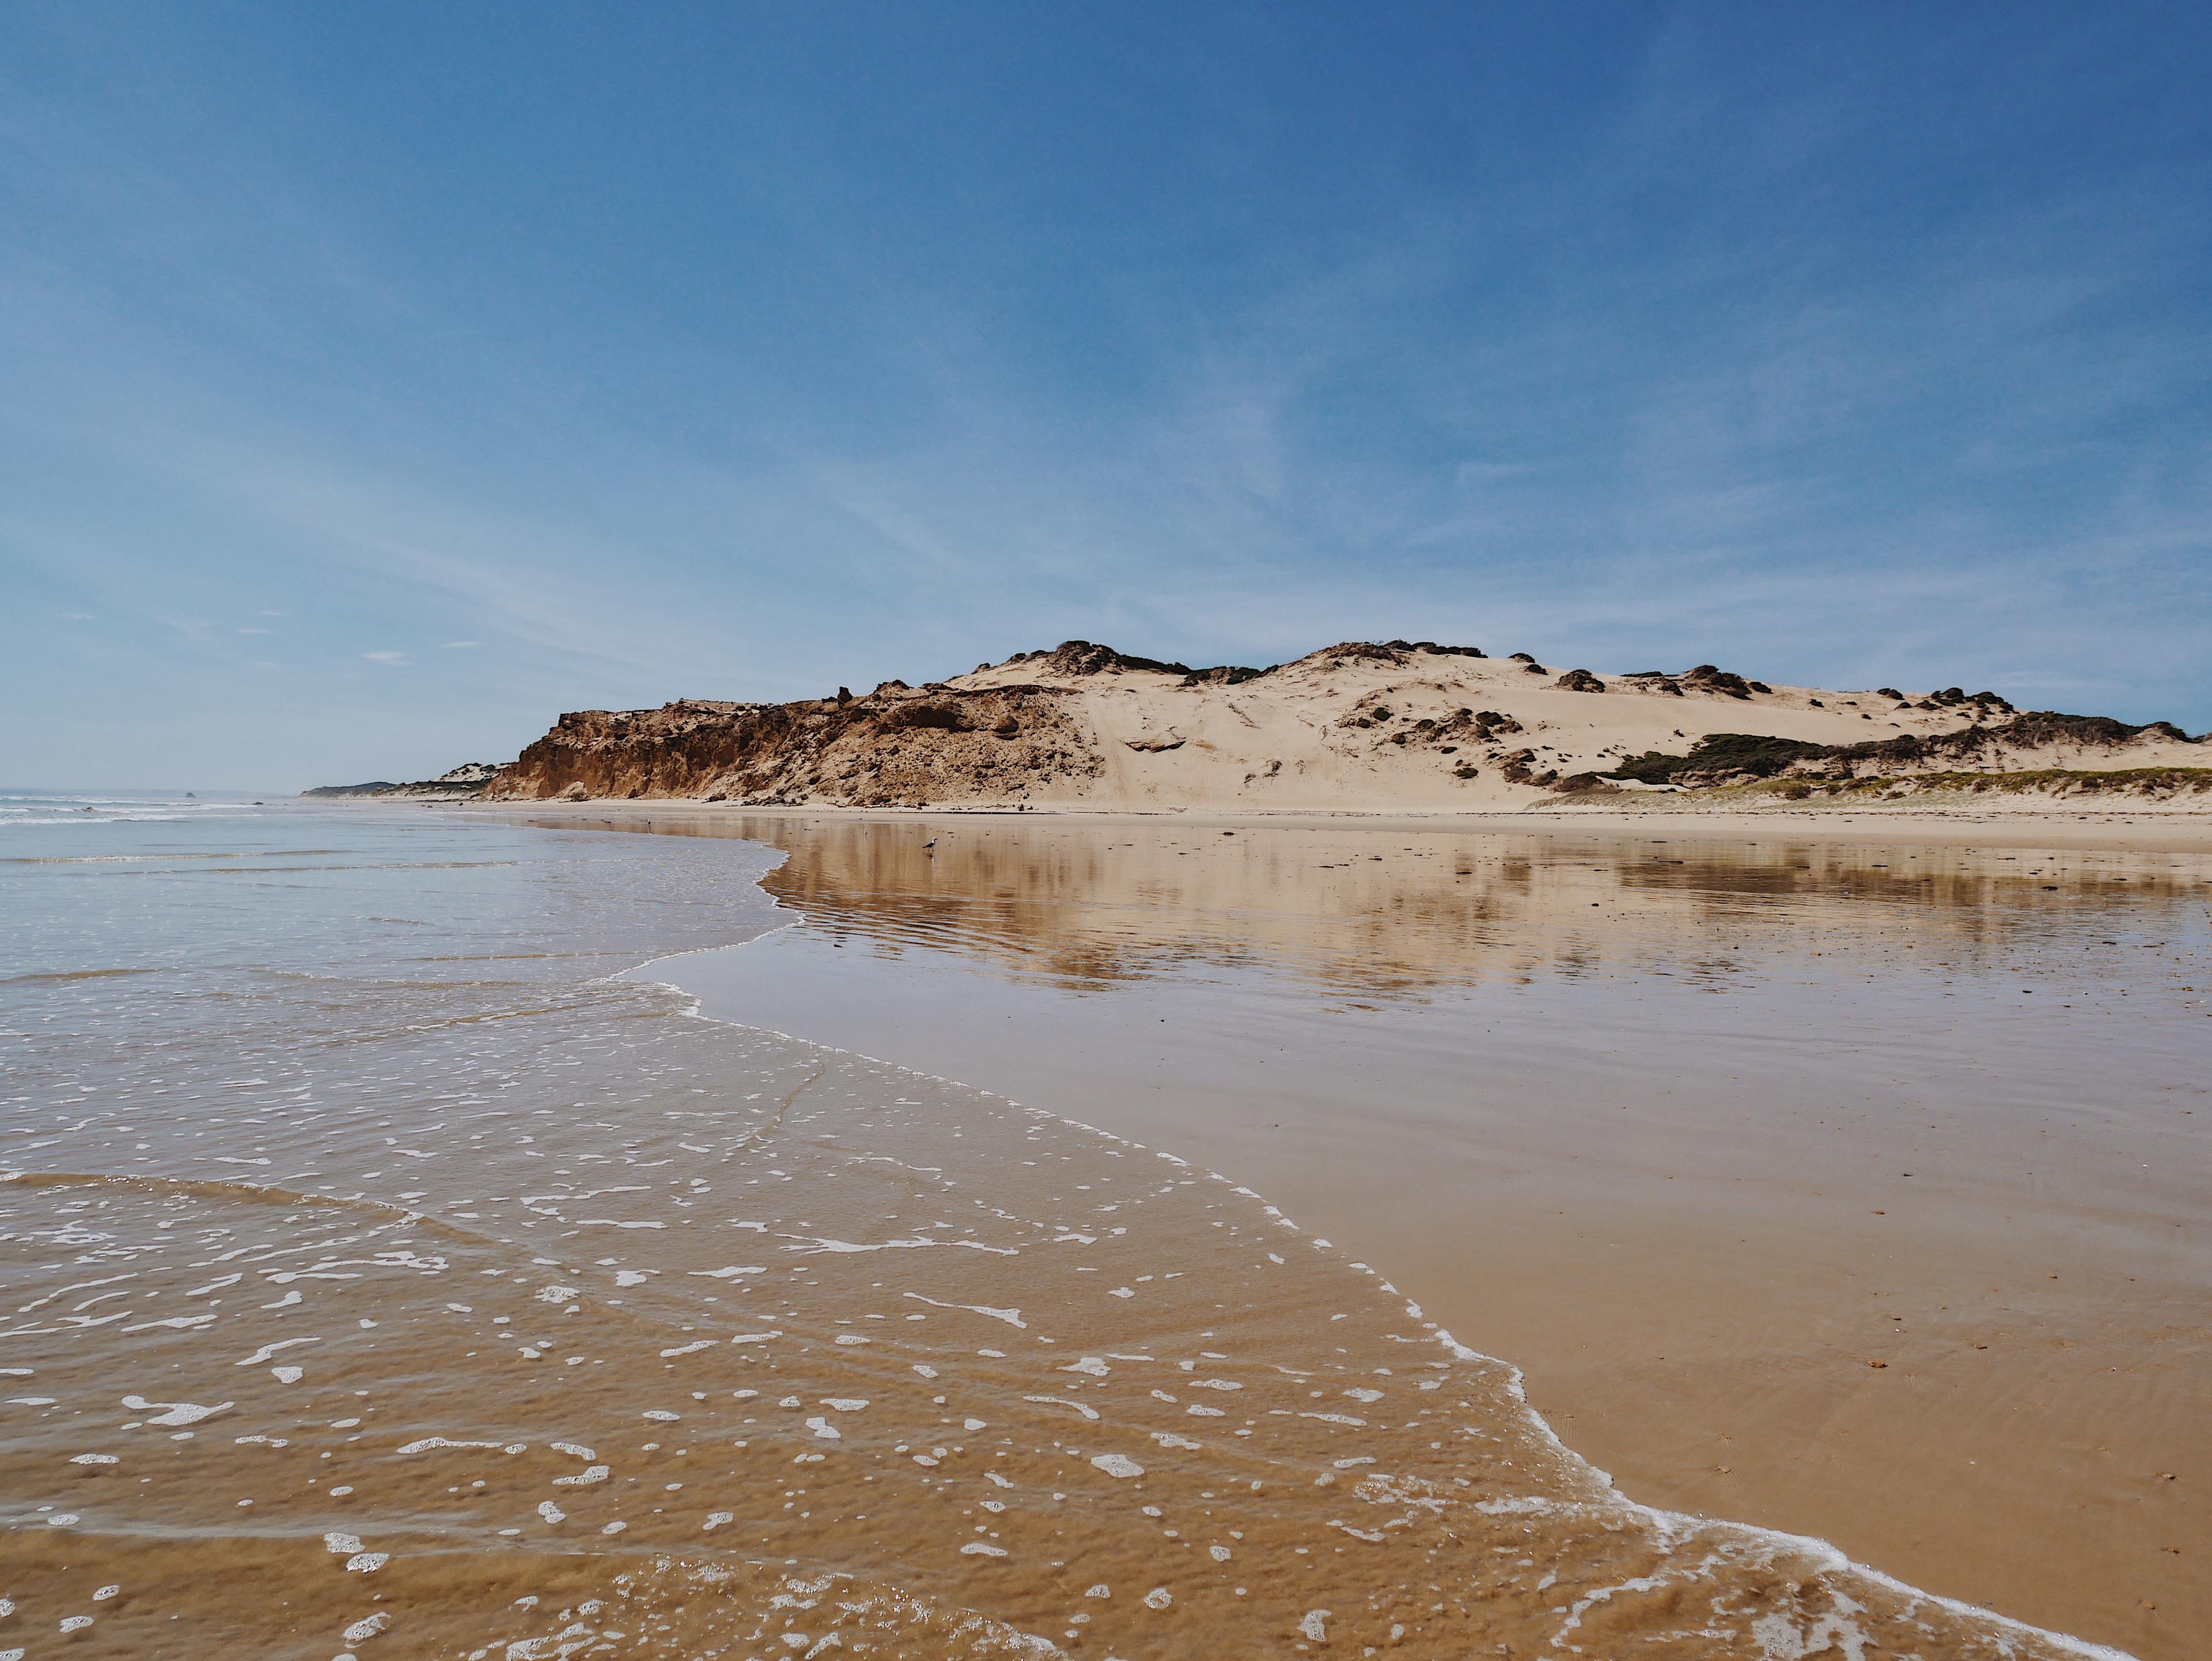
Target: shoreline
2143	830
764	1175
1815	1546
1626	1406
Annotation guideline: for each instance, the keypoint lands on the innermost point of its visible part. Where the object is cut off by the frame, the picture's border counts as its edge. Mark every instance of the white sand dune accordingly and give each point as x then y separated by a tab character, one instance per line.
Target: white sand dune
1362	726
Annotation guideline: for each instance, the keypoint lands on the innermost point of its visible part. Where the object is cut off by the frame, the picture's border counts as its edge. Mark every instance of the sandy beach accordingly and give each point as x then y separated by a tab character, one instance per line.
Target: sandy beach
1105	833
1840	1173
383	1226
1058	1235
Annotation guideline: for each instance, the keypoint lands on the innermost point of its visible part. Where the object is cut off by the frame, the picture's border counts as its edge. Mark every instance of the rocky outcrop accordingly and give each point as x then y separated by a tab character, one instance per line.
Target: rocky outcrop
1078	657
897	746
1520	768
1083	657
1396	653
1705	677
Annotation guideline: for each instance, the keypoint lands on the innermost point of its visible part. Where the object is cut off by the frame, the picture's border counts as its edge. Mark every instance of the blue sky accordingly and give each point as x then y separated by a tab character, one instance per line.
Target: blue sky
378	382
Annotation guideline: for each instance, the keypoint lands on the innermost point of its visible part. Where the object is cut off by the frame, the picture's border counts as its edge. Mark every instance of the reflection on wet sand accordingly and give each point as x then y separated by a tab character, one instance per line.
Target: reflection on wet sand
1403	911
381	1240
1856	1190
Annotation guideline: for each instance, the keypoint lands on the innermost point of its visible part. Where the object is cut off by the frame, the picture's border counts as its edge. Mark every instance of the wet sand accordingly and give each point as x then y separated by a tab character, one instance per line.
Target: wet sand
1840	1187
397	1266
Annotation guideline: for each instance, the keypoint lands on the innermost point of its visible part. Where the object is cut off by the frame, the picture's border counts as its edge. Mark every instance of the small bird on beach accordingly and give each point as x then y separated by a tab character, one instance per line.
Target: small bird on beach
931	844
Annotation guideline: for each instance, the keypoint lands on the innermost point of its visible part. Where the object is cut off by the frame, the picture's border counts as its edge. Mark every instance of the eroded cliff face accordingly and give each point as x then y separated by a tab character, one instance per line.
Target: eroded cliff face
896	747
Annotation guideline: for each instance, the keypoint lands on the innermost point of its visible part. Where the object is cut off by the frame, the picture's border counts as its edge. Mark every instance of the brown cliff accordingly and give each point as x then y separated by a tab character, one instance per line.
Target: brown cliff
896	747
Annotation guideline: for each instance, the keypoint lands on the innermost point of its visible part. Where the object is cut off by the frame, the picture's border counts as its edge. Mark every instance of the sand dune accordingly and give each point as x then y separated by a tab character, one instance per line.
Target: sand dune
1389	726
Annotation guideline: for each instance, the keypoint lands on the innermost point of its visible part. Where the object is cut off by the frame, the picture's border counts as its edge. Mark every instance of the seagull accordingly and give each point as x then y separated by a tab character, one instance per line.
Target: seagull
931	844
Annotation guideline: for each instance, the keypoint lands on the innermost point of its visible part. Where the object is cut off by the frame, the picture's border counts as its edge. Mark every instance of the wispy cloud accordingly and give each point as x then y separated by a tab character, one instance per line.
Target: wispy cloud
1696	347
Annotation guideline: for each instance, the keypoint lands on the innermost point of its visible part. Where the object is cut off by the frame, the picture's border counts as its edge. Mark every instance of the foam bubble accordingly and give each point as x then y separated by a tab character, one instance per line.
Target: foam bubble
268	1350
1083	1407
175	1413
425	1445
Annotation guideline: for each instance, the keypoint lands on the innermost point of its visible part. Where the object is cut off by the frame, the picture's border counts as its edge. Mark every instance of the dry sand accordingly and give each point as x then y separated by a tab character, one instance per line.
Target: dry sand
1633	1107
1300	739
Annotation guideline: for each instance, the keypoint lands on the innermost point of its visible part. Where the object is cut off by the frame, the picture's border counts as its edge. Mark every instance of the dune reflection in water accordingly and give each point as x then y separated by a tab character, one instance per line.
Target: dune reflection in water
1697	1132
380	1241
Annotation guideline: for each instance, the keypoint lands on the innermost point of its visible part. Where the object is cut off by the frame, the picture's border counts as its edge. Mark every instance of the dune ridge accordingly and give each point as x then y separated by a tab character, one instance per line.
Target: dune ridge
1393	725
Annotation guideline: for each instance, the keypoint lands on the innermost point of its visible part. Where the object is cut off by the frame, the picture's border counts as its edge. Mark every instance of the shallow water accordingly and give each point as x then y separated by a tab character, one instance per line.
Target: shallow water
1860	1191
373	1236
